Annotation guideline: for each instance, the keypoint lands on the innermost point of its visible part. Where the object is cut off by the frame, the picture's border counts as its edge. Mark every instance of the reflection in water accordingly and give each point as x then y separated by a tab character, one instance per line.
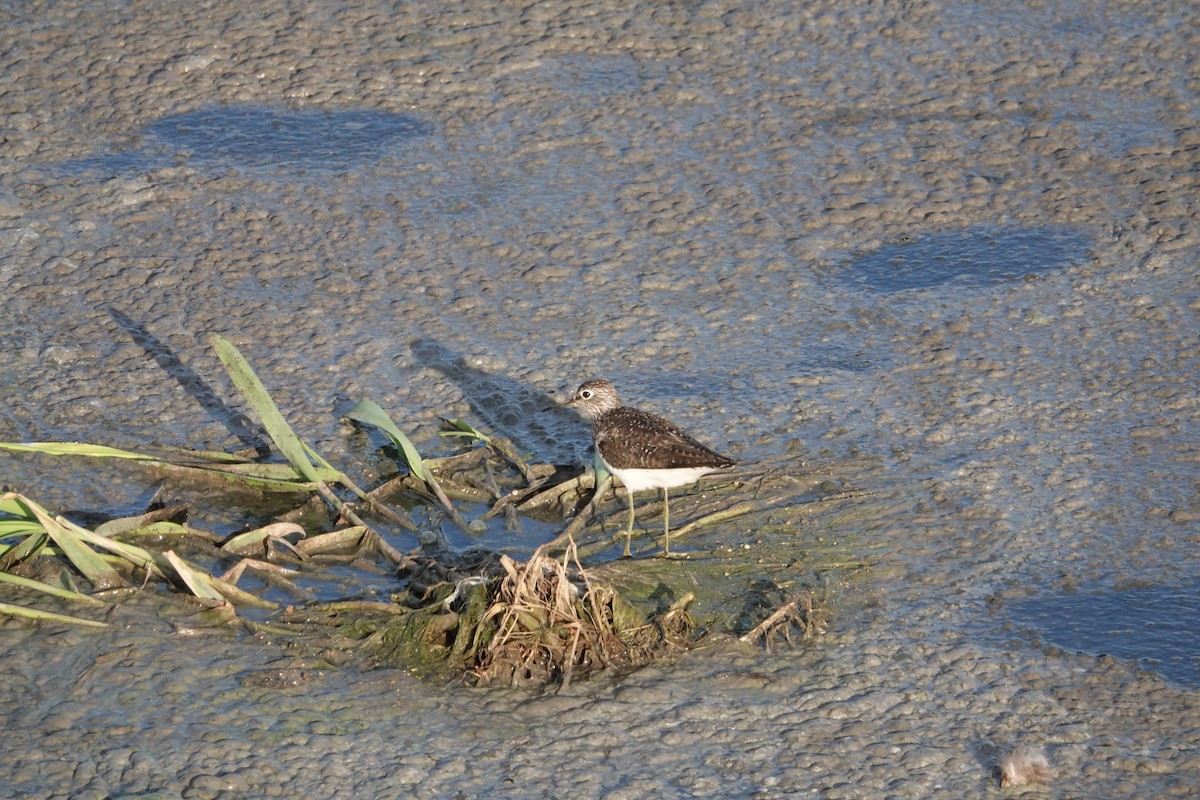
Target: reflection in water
1154	626
974	257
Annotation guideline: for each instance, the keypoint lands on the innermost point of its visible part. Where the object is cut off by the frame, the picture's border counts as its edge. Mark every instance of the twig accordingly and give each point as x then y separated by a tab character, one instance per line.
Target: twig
570	663
555	493
387	551
389	513
847	495
489	479
581	518
738	509
515	497
778	615
505	449
445	501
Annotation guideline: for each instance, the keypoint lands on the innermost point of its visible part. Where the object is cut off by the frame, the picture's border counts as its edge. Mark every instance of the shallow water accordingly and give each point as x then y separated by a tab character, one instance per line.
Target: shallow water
267	140
932	235
974	257
1153	626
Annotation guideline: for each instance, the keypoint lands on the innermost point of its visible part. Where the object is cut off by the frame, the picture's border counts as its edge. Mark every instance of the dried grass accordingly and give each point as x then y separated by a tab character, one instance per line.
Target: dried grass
554	623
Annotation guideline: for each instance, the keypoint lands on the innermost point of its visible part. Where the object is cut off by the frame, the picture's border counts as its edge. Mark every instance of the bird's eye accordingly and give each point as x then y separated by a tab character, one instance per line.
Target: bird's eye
586	394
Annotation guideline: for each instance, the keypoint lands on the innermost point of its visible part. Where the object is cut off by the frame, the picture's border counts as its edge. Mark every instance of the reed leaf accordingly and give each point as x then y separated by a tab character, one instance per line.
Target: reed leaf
460	427
86	560
252	541
237	595
49	616
31	546
344	540
368	412
133	554
271	473
257	397
17	525
46	588
193	465
160	529
197	582
75	449
115	527
17	519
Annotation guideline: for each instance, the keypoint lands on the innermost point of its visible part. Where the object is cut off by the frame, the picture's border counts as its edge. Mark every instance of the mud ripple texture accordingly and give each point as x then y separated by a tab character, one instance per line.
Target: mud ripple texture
667	195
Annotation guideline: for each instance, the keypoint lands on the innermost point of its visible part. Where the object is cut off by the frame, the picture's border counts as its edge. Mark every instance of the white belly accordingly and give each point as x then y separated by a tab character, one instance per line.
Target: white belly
635	480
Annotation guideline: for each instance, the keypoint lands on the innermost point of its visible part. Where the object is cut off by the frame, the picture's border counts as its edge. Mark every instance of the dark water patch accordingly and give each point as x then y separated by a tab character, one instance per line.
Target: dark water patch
253	136
969	258
260	137
1155	626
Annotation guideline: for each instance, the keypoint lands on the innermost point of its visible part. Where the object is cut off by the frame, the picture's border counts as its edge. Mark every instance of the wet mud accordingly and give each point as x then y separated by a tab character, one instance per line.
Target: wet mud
959	238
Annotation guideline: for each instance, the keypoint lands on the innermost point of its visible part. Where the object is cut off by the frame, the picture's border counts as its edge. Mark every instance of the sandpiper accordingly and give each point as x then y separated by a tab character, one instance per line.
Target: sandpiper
643	450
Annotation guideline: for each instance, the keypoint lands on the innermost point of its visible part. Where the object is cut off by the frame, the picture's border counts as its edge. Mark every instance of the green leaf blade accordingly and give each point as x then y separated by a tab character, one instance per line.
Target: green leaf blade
81	449
49	616
460	427
368	412
84	558
259	399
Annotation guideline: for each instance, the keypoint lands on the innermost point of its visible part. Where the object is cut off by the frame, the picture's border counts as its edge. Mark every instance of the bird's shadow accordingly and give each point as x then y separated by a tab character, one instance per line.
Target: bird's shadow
529	417
238	424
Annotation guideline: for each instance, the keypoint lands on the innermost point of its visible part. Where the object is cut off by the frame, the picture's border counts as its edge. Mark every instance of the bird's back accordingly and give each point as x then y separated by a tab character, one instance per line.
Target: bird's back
629	438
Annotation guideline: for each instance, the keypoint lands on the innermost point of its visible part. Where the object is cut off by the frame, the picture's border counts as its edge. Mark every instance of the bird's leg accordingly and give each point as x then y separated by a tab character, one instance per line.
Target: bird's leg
629	527
666	524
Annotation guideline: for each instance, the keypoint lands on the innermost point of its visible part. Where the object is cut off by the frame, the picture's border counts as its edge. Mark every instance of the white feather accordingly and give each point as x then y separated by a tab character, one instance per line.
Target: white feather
635	480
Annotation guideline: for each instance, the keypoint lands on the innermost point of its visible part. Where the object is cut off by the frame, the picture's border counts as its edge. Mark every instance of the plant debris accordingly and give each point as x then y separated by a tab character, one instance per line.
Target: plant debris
568	610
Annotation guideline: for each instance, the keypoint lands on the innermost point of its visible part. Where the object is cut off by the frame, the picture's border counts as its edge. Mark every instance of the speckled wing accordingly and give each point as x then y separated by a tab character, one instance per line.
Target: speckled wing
628	438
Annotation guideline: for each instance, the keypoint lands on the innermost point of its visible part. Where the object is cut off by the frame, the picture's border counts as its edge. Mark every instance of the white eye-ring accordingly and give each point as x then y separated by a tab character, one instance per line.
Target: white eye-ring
586	394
